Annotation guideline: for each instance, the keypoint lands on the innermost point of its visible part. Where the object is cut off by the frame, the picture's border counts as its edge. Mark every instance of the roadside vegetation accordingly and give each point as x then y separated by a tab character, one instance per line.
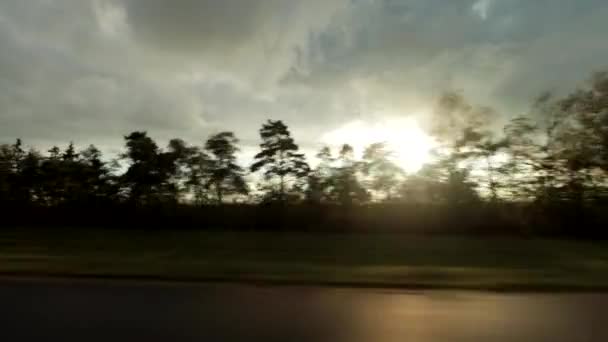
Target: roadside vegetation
385	260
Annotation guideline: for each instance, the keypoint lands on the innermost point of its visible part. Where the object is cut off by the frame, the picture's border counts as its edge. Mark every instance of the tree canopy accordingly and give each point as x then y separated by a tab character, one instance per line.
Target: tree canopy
279	158
554	155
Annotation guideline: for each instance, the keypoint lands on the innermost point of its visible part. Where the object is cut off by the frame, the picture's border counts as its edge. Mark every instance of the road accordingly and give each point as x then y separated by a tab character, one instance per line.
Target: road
60	310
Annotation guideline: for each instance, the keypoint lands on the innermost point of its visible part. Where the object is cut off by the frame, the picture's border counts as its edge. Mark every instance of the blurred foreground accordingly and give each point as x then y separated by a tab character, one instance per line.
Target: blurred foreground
98	311
379	260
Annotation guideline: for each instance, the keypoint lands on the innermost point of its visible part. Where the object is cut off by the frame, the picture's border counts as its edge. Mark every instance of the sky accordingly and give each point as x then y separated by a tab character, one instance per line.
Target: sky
93	71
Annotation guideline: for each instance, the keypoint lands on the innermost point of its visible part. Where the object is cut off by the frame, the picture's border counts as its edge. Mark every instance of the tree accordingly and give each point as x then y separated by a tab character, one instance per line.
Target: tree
465	132
481	149
72	176
149	172
526	169
315	189
458	189
11	158
22	173
97	177
30	176
52	178
54	153
588	106
66	176
453	114
175	162
70	154
575	152
226	177
581	138
384	174
318	181
199	167
444	181
5	173
279	158
191	170
343	182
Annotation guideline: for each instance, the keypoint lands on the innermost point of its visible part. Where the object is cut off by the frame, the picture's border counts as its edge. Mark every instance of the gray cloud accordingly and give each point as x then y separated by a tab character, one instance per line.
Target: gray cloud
194	25
69	81
501	56
91	71
254	39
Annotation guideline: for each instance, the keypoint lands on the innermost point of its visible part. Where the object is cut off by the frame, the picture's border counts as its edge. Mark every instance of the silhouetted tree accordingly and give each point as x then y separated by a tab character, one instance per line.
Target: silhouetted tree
453	114
100	183
54	153
5	173
198	173
279	158
11	158
191	170
343	183
147	178
481	149
315	189
572	161
52	180
71	173
582	137
384	174
174	162
464	130
525	170
226	177
588	106
547	168
21	172
30	177
443	181
318	181
70	154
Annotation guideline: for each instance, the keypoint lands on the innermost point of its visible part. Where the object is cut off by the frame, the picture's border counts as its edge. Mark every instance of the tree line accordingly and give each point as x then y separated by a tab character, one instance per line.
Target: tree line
184	173
551	161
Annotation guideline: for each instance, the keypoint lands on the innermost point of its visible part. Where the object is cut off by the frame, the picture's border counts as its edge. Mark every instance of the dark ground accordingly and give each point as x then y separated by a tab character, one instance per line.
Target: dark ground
366	260
64	310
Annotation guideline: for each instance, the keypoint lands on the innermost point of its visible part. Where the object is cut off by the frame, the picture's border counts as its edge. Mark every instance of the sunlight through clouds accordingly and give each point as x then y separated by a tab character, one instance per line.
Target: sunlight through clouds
410	145
192	67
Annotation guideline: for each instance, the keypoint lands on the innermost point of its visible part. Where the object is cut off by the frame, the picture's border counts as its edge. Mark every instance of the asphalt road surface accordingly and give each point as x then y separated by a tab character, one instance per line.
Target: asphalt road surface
129	311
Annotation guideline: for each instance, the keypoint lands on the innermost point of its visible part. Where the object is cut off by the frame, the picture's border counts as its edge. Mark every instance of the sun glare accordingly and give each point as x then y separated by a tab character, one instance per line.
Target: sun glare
410	145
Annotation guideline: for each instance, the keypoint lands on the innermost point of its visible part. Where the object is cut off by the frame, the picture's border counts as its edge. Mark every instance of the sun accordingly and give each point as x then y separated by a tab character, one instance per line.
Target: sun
410	145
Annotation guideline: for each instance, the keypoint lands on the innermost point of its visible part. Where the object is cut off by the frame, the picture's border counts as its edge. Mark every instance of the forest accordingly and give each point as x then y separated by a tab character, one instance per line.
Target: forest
541	173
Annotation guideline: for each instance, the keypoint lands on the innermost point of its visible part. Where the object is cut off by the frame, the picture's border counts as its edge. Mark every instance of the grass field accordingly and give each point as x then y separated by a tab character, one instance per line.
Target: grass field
383	260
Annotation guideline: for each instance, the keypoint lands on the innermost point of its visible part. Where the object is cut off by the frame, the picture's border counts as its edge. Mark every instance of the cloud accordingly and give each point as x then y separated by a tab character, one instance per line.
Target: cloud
91	71
481	7
194	25
254	39
71	81
422	48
